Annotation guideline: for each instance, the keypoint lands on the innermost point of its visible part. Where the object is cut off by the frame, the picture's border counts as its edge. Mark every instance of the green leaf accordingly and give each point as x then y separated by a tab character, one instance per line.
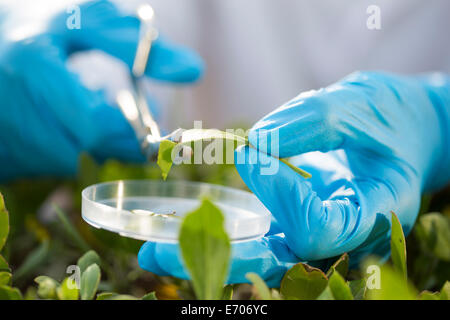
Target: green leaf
105	295
31	294
193	136
4	222
427	295
121	297
303	282
227	292
341	266
326	294
89	282
205	249
88	170
445	291
339	287
301	172
261	287
36	258
5	278
70	230
3	264
165	157
88	259
392	284
433	229
398	246
358	288
66	293
150	296
47	287
8	293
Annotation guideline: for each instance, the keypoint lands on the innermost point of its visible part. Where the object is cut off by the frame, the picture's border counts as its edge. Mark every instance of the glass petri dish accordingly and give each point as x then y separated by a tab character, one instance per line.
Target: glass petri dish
153	210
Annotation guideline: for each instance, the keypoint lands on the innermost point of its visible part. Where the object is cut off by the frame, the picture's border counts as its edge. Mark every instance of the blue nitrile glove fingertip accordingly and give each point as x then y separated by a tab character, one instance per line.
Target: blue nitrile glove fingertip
174	63
147	259
169	258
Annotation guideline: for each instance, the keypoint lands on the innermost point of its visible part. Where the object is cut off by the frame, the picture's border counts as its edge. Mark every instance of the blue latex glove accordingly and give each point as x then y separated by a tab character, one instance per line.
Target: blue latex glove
373	143
47	117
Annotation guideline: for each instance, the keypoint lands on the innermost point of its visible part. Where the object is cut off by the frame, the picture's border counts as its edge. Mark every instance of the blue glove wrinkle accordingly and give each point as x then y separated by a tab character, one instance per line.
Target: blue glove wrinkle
312	227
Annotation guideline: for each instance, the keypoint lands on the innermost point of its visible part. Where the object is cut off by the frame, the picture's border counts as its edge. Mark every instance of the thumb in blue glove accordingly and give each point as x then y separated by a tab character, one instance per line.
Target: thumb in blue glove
49	117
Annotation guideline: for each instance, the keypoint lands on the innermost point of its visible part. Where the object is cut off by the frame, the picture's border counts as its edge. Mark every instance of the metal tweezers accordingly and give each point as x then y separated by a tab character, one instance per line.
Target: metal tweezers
133	103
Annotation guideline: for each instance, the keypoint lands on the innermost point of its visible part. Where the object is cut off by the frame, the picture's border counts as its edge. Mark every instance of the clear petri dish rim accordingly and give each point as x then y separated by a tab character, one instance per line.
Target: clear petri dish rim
117	219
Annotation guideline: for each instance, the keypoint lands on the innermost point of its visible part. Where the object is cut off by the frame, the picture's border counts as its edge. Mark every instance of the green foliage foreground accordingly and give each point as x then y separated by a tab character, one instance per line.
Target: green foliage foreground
41	237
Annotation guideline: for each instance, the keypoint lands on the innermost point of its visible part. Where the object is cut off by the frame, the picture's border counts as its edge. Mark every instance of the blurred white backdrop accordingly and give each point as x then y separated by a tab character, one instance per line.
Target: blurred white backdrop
261	53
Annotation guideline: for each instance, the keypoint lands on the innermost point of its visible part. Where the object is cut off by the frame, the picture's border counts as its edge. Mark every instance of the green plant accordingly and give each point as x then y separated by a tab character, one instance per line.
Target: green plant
205	248
191	138
43	239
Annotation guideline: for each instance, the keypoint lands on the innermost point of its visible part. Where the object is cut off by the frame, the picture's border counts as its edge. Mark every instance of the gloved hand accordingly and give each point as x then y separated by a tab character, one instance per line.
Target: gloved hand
373	143
47	117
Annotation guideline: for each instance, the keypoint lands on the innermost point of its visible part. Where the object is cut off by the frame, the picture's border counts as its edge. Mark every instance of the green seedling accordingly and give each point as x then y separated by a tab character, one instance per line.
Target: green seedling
167	148
205	248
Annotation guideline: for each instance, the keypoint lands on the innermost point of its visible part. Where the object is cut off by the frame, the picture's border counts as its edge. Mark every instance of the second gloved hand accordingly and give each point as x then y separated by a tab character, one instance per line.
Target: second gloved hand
47	116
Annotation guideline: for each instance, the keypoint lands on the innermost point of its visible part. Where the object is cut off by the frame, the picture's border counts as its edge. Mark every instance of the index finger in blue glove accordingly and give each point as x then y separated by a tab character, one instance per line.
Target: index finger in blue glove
365	110
105	28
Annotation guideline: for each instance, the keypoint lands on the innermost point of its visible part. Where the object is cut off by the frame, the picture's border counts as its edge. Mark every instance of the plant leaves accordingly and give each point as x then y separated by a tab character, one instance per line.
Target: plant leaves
445	291
121	297
150	296
392	284
71	231
227	292
5	278
427	295
358	288
46	287
339	287
398	246
36	257
89	282
433	229
261	287
301	172
4	222
341	266
205	248
87	259
65	293
105	295
326	294
303	282
8	293
3	264
193	136
165	157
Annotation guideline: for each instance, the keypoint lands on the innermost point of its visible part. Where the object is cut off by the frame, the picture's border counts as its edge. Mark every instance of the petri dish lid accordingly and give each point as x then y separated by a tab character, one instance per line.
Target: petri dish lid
152	210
